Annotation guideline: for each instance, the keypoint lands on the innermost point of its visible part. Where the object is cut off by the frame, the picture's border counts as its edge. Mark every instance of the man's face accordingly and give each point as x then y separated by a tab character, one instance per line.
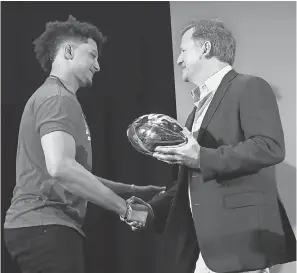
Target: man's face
85	62
190	58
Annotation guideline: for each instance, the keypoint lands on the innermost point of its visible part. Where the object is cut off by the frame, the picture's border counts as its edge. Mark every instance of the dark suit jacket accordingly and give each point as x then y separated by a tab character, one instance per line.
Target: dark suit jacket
239	222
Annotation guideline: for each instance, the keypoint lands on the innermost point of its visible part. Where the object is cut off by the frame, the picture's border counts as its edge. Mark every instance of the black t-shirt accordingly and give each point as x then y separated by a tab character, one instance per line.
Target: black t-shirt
39	199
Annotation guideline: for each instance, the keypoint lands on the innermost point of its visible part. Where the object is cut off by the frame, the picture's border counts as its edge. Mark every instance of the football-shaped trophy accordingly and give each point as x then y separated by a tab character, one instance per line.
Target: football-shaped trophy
151	130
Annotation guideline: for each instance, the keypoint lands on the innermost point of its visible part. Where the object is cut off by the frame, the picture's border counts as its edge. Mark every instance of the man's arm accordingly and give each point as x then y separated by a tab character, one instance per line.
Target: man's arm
161	206
56	122
59	152
264	139
263	145
124	190
117	187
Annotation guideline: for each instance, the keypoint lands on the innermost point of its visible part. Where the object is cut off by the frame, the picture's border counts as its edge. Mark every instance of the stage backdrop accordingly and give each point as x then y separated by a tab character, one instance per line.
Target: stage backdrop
266	46
136	78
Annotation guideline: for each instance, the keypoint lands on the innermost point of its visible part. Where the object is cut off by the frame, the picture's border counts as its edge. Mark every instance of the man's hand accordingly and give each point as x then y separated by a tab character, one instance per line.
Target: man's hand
146	192
186	154
139	206
139	214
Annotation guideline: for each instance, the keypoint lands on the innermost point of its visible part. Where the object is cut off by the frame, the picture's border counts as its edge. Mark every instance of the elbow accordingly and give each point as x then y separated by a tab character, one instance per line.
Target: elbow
280	152
54	170
57	169
277	154
280	155
276	151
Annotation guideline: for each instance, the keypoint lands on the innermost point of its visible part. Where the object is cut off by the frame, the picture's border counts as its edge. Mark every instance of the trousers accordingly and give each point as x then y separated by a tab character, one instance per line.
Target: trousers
46	249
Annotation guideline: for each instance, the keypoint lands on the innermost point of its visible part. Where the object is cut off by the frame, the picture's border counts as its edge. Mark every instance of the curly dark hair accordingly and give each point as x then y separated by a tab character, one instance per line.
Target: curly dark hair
47	44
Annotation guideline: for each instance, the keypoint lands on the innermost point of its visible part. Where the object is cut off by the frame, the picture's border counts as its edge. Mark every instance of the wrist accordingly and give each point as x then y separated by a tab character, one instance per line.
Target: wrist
198	156
132	188
128	213
195	161
150	210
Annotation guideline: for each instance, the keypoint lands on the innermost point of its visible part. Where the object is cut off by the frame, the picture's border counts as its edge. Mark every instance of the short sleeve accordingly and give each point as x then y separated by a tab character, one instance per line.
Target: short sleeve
58	113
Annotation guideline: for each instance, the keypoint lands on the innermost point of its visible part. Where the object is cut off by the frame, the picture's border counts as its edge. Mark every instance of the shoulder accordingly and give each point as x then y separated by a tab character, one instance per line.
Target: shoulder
49	94
253	90
248	80
248	84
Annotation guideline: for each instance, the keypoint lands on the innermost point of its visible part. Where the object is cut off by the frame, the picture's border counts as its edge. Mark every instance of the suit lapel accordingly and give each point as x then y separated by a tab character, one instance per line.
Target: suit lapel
181	168
217	98
190	119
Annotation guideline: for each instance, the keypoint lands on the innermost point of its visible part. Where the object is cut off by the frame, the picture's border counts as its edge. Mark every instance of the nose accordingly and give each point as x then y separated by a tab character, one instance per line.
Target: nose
97	66
179	60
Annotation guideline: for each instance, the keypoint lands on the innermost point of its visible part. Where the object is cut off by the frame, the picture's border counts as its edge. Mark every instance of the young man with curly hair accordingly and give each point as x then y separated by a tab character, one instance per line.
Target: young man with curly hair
43	226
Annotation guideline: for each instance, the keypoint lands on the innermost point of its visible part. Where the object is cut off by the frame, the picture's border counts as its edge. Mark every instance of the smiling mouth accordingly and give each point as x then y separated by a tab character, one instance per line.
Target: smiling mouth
92	73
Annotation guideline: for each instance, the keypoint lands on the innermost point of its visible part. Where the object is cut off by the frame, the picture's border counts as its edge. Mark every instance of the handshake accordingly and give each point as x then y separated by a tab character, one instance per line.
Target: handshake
139	214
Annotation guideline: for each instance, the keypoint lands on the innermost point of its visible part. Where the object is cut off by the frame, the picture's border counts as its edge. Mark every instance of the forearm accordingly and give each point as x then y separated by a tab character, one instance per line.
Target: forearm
263	143
161	207
166	197
117	187
76	179
247	157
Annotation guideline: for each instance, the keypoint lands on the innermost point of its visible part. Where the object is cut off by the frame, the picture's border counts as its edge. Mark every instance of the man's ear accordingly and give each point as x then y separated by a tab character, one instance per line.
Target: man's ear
68	51
206	47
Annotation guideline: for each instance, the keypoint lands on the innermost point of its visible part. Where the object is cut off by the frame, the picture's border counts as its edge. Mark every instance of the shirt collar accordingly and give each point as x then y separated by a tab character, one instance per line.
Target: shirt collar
211	84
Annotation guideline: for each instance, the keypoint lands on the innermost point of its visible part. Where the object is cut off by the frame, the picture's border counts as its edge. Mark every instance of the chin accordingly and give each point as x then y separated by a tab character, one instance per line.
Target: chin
90	81
87	83
185	78
185	75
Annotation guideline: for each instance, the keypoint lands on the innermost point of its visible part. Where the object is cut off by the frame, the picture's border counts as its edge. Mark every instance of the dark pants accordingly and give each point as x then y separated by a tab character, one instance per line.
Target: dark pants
46	249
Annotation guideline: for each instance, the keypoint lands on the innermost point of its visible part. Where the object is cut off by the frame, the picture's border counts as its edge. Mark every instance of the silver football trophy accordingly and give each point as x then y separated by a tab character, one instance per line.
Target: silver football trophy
151	130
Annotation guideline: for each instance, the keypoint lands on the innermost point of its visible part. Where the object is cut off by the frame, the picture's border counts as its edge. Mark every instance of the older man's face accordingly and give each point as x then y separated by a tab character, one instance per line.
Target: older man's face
190	57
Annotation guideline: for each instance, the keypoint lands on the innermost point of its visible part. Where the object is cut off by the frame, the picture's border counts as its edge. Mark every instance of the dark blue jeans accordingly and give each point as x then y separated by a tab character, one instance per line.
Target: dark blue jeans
46	249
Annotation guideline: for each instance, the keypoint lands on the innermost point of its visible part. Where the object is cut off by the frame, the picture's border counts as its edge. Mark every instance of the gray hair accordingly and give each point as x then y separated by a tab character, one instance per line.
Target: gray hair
223	44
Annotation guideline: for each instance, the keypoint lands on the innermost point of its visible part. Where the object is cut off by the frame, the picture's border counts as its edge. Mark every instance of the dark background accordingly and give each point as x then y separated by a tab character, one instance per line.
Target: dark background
136	78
